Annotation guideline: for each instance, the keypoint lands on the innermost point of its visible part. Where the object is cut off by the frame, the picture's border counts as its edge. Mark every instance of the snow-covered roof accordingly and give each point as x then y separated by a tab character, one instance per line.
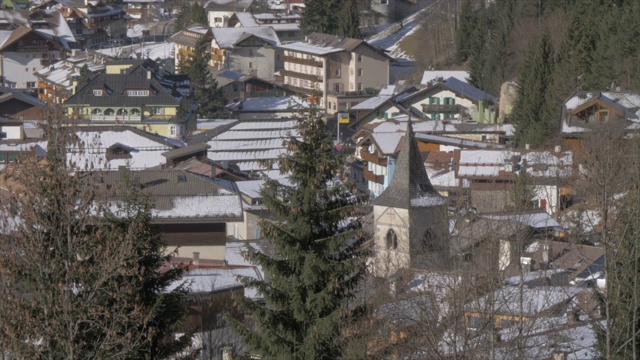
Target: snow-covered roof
269	104
495	163
518	301
227	38
431	75
371	103
461	143
247	144
387	143
145	149
627	103
310	48
204	280
63	72
536	220
246	19
439	126
147	50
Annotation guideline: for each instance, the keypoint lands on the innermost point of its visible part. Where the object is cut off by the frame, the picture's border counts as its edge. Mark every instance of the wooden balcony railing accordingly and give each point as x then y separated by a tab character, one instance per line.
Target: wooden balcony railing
369	176
430	108
296	60
298	75
369	157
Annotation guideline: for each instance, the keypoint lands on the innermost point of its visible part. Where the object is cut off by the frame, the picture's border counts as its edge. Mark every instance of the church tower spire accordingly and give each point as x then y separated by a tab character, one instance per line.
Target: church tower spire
410	217
410	186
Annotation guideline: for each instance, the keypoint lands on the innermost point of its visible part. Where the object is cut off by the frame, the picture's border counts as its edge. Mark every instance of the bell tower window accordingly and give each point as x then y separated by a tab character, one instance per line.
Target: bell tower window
392	240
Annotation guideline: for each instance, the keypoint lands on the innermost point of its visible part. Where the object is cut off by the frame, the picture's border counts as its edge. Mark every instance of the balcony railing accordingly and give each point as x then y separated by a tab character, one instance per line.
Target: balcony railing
430	108
365	92
369	157
47	62
298	75
296	60
118	118
369	176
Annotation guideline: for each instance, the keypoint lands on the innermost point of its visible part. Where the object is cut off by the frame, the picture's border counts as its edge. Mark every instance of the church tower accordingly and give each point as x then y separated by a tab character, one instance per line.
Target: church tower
410	217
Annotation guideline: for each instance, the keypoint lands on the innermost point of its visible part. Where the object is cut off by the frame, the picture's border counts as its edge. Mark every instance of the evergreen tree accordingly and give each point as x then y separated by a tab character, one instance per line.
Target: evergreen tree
477	51
146	286
319	16
535	77
204	88
317	261
349	20
77	281
191	14
85	75
465	33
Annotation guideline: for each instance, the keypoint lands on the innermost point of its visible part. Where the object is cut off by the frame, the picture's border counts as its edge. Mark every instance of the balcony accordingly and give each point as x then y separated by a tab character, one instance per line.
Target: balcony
116	118
296	60
369	176
365	92
369	157
298	75
29	48
47	62
439	108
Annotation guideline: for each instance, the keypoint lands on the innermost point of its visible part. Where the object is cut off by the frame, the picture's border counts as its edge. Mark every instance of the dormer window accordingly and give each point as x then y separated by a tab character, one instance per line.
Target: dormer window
97	92
118	151
137	92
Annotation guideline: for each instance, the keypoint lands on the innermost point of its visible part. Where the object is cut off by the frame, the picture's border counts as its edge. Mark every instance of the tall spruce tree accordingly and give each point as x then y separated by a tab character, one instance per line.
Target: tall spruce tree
465	32
349	20
77	281
204	88
190	14
317	260
320	16
535	77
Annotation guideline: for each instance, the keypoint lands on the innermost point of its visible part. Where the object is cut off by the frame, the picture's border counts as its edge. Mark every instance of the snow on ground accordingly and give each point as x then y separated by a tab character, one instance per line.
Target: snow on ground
391	35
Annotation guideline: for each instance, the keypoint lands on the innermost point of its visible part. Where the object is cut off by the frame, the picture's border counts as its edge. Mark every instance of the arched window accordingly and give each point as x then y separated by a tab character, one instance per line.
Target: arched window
122	112
392	240
135	112
96	111
108	112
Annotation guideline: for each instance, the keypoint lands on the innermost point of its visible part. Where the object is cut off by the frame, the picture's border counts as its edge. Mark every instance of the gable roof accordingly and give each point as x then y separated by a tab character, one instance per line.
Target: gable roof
135	77
410	186
178	196
432	75
461	88
345	43
605	101
182	38
228	37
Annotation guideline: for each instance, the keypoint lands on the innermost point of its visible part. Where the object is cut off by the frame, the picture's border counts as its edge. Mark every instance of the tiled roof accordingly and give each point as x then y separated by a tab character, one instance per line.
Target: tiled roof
115	86
177	195
345	43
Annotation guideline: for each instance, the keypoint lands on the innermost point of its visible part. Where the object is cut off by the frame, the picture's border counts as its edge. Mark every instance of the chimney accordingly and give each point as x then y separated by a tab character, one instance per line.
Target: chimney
196	258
